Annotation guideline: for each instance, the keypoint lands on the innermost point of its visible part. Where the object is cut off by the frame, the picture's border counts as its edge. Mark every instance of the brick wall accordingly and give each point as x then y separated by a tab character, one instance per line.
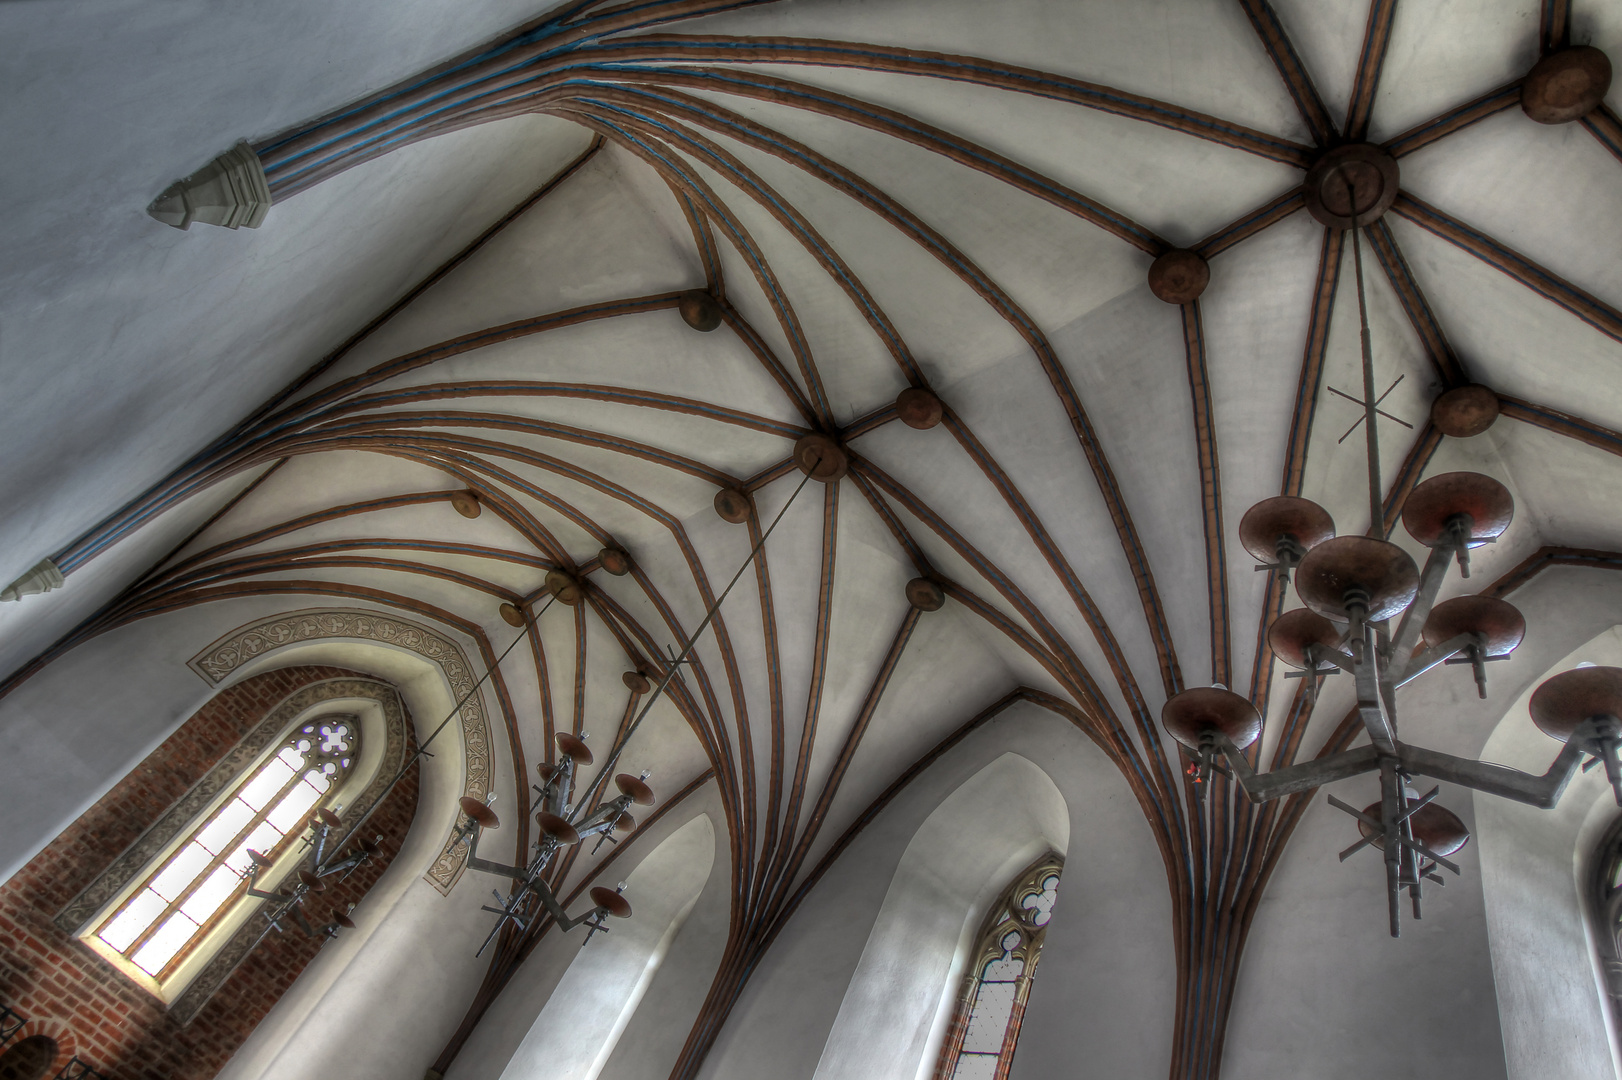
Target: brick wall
59	983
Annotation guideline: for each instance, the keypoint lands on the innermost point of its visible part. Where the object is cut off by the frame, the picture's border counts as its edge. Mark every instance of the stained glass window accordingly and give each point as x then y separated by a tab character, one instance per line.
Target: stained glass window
184	895
980	1043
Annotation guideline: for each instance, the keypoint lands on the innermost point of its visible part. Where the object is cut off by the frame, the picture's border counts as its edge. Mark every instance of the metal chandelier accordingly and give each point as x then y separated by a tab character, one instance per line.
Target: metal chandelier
1368	611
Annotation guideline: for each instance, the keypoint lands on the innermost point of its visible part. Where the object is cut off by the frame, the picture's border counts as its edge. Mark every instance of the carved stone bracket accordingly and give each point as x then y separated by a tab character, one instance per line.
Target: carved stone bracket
249	642
229	191
41	579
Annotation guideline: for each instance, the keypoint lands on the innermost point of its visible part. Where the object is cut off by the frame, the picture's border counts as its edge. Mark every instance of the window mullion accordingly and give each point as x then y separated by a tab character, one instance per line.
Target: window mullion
213	864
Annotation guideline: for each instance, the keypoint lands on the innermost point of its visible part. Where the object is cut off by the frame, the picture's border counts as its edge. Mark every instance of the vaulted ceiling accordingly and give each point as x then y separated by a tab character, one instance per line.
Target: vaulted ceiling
881	195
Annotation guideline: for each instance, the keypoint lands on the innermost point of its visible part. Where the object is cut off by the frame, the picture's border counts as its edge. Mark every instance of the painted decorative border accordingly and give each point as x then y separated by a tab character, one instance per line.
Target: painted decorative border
252	641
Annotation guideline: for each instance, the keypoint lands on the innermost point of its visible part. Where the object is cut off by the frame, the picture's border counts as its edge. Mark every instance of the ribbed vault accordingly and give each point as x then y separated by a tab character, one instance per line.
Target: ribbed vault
887	196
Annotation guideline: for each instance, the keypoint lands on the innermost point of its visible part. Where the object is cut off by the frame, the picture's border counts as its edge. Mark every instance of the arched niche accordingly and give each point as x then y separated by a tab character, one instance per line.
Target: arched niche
896	1008
582	1021
1552	1004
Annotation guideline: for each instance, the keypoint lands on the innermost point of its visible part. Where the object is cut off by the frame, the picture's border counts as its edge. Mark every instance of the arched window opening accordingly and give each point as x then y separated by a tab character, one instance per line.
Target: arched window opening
980	1043
1605	909
28	1059
185	895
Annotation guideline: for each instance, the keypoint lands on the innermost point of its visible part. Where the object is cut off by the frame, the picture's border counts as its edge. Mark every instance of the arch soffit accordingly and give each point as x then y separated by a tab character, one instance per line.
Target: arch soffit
255	640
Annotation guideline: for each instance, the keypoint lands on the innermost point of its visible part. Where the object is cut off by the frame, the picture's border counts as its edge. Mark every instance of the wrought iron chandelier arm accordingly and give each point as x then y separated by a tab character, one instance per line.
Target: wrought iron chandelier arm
1295	779
1371	700
1413	620
1542	792
555	909
517	873
1430	658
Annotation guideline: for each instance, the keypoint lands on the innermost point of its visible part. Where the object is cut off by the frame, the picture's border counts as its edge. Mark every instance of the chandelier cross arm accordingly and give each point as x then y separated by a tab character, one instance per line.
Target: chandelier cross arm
1430	658
517	873
1542	792
1371	698
1295	779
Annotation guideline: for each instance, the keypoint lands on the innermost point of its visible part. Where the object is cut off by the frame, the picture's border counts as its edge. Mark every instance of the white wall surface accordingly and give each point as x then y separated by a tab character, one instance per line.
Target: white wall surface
509	1036
582	1021
895	1011
1454	994
1107	975
1534	866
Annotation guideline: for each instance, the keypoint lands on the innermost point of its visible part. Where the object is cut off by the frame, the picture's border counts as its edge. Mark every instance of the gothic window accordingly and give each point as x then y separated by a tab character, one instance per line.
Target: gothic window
172	909
980	1042
1605	907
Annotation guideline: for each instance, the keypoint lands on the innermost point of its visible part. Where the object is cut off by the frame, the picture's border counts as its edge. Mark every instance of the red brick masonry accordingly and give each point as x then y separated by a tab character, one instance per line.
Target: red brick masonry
114	1025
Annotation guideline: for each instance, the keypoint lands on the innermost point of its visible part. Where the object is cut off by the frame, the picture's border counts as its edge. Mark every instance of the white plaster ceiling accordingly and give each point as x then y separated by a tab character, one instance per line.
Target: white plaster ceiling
128	346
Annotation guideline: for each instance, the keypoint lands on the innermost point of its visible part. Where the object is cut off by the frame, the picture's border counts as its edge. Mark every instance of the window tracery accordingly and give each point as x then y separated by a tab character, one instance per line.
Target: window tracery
985	1026
1605	911
164	918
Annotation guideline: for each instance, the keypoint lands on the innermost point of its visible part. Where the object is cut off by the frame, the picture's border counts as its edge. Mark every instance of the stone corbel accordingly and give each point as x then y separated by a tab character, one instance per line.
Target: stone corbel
41	579
229	191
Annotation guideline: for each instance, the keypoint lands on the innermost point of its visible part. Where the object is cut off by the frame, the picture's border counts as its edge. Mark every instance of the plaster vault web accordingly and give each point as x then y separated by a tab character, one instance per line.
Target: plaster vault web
763	225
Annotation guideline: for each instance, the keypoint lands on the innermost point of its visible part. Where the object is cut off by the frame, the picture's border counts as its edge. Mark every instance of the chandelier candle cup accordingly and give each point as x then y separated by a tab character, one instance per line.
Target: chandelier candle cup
611	902
636	682
1198	715
634	788
1304	639
574	748
512	615
558	829
1494	627
1357	576
1294	635
1278	532
1459	509
1435	827
1584	706
480	814
466	504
